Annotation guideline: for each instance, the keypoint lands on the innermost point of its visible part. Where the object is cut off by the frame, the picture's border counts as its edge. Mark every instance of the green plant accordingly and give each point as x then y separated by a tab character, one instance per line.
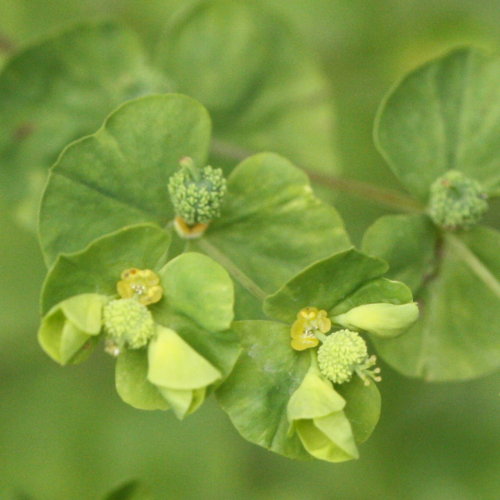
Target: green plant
291	370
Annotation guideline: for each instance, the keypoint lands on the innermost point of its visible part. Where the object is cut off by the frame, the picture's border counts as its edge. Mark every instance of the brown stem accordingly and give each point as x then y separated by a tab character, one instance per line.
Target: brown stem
387	197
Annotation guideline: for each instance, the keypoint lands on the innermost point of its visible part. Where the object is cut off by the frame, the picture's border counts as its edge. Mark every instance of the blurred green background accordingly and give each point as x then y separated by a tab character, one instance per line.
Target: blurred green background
64	433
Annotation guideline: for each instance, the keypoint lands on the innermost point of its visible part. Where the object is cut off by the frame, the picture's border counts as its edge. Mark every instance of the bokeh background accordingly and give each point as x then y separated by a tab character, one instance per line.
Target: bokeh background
64	433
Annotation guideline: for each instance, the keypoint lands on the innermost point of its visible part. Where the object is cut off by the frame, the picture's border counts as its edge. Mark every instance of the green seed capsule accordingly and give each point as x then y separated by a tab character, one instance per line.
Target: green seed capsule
456	201
197	193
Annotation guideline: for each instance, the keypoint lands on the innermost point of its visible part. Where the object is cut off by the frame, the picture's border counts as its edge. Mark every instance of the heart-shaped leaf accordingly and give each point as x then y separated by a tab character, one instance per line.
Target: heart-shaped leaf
445	115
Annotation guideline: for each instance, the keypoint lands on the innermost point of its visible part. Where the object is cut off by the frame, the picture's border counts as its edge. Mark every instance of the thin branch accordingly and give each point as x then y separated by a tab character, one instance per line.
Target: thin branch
386	197
475	265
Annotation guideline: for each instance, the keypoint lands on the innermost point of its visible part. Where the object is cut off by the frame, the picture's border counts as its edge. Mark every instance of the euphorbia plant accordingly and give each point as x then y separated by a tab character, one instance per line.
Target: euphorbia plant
294	371
263	225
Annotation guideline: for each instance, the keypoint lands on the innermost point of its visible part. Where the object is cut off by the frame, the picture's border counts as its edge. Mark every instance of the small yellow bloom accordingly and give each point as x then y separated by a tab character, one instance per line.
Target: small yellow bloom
310	321
140	284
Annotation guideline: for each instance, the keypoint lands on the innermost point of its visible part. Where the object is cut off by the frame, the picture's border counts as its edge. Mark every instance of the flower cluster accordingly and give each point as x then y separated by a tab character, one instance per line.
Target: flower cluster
341	354
147	324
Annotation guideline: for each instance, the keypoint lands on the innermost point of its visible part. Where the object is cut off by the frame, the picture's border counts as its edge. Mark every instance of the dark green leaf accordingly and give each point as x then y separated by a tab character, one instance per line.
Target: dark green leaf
97	269
324	284
407	242
119	175
256	394
246	72
459	304
445	115
57	91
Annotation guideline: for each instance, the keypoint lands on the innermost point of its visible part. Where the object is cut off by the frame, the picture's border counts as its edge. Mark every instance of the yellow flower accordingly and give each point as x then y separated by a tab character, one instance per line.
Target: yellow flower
140	284
309	322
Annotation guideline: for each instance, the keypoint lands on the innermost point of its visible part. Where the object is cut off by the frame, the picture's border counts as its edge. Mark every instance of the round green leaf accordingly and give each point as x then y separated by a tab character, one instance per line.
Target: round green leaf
199	288
407	242
119	175
131	381
58	90
245	73
459	303
444	115
272	225
256	394
97	269
314	398
324	284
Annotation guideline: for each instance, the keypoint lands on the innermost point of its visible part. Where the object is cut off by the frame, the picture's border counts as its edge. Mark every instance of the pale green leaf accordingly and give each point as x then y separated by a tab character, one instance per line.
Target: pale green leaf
199	288
173	364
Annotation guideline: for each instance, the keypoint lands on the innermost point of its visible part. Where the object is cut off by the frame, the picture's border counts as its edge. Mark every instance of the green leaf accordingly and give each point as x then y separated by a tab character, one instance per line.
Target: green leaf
131	381
315	413
445	115
362	406
380	319
219	348
68	330
256	394
97	269
85	312
199	288
453	340
407	242
119	175
245	73
375	291
57	91
174	364
272	225
324	284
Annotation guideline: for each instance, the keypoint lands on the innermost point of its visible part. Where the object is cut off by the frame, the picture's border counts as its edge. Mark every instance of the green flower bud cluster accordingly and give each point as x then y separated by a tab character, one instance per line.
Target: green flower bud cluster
456	201
343	353
197	193
127	323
